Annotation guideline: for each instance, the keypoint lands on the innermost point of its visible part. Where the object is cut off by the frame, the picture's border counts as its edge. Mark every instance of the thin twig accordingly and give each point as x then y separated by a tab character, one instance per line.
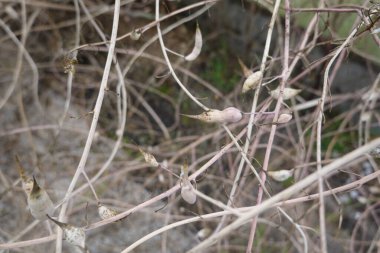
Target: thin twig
95	118
284	79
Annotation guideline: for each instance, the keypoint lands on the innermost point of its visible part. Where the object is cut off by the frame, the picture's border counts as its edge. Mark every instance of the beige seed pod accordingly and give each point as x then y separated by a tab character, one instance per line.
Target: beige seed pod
184	176
288	93
73	235
366	116
284	118
39	202
252	81
204	233
197	46
228	115
231	115
188	192
27	182
281	175
246	71
136	34
106	212
149	158
374	189
187	189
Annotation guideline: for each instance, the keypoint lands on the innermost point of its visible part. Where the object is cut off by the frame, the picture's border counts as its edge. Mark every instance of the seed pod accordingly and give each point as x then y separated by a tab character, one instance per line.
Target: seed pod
375	152
39	202
288	93
252	81
69	63
228	115
187	189
136	34
187	192
73	235
27	182
374	190
280	175
204	233
284	118
231	115
246	71
106	212
197	46
366	116
149	158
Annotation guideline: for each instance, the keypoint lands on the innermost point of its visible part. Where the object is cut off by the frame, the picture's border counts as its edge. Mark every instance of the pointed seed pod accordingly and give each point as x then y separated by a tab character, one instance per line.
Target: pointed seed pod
246	71
27	182
374	190
197	46
366	116
187	189
187	192
73	235
136	34
149	158
106	212
39	202
284	118
184	172
231	115
69	63
204	233
281	175
288	93
228	115
252	81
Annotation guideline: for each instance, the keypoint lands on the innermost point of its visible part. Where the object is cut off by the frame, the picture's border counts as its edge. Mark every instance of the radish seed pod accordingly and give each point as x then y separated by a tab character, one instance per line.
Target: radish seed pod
287	93
228	115
39	202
